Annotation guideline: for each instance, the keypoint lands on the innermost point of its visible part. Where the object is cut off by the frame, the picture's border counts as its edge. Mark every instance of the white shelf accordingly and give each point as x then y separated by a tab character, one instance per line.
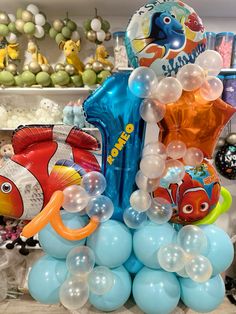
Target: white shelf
46	90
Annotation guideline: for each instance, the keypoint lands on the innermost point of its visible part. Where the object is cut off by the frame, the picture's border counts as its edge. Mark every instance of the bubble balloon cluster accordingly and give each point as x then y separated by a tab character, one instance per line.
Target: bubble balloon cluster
8	27
97	29
31	22
63	30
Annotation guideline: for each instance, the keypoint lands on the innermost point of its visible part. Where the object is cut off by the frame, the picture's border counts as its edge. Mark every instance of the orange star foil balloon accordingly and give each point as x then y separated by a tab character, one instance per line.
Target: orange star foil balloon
196	122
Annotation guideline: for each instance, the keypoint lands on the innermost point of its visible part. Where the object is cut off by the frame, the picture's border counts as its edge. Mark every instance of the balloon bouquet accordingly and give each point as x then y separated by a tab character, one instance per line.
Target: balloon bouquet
154	223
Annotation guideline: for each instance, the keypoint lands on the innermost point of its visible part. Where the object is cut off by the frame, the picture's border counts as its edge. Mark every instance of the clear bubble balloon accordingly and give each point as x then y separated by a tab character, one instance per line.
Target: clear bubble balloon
146	184
140	200
155	149
160	211
193	240
100	280
74	293
94	183
152	166
75	199
174	172
176	149
152	111
141	82
100	207
211	61
191	77
168	90
211	89
134	219
182	273
171	257
199	268
193	157
80	261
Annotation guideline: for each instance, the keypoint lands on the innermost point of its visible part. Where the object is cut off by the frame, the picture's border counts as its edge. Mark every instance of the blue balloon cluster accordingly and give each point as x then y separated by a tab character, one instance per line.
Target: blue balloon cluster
133	254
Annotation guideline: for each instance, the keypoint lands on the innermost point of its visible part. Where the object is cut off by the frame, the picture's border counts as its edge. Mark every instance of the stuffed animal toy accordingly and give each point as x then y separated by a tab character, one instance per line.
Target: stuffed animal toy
8	51
48	111
79	119
68	114
101	56
71	50
4	140
36	55
3	116
6	151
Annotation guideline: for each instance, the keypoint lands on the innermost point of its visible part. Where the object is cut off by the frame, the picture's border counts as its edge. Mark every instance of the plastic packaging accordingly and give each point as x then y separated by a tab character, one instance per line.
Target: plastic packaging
224	45
121	59
211	40
229	94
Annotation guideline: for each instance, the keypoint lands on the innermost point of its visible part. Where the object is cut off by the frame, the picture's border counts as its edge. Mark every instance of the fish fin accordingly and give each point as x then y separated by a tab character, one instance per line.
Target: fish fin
174	191
63	174
24	136
163	193
140	44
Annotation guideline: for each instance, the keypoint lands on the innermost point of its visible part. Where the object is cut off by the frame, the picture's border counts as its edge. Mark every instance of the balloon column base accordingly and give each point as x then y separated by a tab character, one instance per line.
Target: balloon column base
31	242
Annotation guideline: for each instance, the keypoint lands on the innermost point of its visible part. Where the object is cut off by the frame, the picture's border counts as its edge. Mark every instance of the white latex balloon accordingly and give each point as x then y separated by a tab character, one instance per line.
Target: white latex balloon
33	9
152	166
39	31
212	88
211	61
169	90
146	184
191	77
155	148
140	200
101	35
11	38
12	17
199	268
96	25
152	111
75	36
40	19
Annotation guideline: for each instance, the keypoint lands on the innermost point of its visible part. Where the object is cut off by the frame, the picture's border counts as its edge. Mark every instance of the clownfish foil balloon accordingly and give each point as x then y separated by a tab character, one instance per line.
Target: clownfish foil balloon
195	196
165	35
47	158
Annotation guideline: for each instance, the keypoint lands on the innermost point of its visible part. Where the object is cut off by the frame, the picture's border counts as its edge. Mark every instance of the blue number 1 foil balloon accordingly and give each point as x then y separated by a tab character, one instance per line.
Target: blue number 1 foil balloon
115	111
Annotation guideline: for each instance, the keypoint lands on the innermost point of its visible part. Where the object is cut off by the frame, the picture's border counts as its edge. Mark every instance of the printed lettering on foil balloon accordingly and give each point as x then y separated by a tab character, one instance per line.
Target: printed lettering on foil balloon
164	35
115	111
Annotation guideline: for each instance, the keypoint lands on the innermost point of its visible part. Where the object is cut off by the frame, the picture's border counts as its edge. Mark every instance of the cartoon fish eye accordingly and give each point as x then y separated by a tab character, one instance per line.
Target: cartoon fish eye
167	20
6	187
188	209
204	207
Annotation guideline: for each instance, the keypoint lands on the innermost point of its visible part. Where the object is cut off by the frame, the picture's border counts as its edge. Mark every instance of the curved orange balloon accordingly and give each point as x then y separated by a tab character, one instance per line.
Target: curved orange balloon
44	217
51	214
73	235
196	122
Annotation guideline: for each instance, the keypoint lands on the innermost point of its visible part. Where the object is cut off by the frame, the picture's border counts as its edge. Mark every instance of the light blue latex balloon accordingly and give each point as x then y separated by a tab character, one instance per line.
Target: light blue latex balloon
156	291
45	279
221	250
148	239
56	246
133	265
202	297
111	244
117	296
115	111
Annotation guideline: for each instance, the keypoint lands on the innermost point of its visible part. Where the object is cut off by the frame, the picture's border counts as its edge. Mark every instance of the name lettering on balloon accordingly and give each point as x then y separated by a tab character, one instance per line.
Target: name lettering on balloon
231	159
124	137
151	6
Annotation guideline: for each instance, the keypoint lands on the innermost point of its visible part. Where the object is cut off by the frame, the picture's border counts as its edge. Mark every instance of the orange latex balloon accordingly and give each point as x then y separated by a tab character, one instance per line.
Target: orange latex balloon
196	122
51	214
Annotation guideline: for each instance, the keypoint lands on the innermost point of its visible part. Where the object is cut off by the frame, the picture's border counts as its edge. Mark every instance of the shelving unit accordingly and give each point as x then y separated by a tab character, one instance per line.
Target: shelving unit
80	91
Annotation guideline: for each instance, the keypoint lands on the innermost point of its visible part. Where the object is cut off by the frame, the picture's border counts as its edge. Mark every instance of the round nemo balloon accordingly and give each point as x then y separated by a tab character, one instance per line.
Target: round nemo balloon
195	196
164	36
